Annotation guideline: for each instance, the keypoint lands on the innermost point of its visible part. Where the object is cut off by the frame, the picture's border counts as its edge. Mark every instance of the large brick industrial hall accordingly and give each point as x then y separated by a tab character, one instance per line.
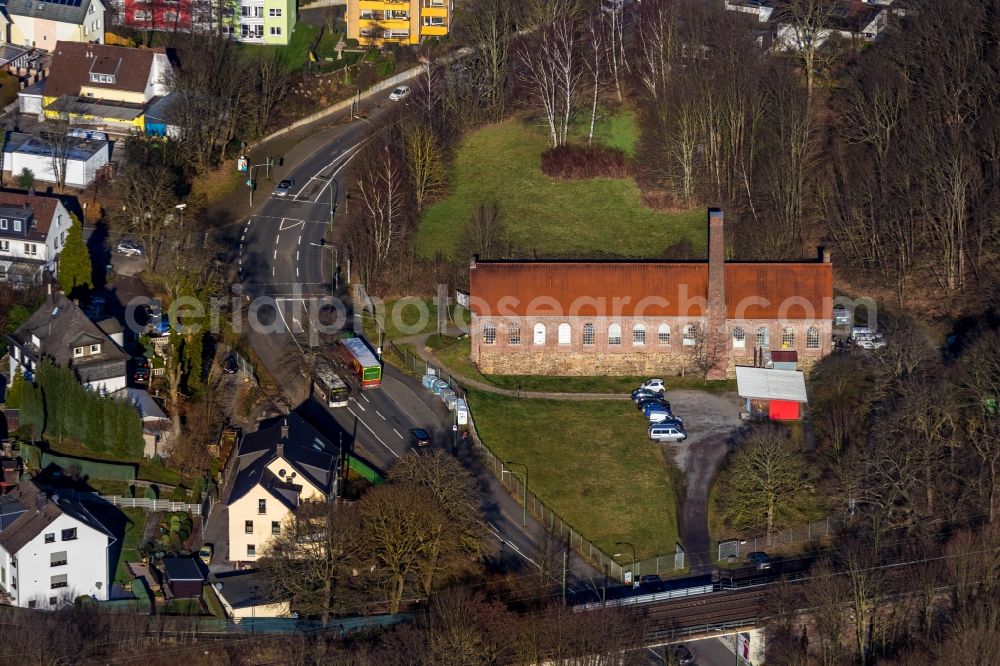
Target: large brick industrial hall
648	317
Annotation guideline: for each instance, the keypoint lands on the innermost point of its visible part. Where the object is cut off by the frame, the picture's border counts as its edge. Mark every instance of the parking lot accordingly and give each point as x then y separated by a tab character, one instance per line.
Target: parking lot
711	421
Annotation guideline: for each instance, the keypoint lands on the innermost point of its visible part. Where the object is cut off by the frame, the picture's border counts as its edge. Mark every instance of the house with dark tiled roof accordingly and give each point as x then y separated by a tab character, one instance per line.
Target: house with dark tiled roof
109	86
61	333
52	549
44	23
280	466
33	230
648	317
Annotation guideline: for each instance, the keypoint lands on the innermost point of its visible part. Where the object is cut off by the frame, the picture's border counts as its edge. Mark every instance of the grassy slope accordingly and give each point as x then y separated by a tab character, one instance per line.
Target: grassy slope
596	469
130	546
555	218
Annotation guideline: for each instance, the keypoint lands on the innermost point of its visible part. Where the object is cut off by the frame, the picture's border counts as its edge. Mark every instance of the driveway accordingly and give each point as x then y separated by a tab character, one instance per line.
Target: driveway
711	421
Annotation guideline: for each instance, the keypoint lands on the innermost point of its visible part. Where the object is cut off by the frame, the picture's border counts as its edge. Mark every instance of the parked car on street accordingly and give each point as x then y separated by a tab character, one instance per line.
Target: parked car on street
284	187
660	415
400	92
141	375
656	407
759	559
654	385
668	430
129	248
679	654
420	437
650	583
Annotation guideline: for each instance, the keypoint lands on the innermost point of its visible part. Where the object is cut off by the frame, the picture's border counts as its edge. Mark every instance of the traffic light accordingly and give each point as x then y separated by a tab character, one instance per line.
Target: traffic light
281	161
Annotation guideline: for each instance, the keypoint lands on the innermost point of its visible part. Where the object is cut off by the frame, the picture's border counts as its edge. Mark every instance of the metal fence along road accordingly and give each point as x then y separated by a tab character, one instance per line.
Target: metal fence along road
793	535
548	518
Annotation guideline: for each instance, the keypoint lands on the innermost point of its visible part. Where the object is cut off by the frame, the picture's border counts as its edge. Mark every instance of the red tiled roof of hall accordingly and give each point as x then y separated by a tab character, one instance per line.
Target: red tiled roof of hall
671	289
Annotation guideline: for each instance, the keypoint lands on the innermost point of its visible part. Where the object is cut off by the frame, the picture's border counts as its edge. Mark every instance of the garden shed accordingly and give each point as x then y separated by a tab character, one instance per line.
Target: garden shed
183	576
770	394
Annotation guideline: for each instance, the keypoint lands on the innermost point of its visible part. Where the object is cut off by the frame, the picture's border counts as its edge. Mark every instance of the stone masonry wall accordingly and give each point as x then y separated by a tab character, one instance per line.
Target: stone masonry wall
627	358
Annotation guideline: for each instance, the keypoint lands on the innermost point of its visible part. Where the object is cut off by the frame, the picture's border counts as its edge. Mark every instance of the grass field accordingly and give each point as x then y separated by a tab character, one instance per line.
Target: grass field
130	542
408	316
618	131
554	218
455	355
591	463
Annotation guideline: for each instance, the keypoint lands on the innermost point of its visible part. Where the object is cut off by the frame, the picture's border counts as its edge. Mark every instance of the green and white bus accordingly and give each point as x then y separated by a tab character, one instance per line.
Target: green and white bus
331	390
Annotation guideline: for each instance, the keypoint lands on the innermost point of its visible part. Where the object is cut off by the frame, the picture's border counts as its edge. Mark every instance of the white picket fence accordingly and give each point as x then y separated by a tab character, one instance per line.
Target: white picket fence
143	503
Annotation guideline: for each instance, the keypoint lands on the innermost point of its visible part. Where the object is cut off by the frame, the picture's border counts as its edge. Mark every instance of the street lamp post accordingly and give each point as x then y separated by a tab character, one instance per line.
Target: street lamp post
635	581
524	502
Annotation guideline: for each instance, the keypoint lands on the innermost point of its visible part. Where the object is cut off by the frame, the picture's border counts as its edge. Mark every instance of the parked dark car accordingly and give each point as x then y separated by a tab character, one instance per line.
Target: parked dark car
759	559
141	375
642	404
645	394
679	654
420	437
229	364
650	583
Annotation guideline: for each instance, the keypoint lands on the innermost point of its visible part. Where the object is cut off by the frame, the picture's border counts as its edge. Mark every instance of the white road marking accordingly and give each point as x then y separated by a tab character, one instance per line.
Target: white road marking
372	432
282	315
296	255
496	533
397	432
380	414
300	240
358	404
296	271
275	254
272	271
365	397
329	181
295	223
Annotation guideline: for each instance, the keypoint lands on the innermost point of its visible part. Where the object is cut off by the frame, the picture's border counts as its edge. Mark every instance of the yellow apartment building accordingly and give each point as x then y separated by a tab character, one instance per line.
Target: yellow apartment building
377	22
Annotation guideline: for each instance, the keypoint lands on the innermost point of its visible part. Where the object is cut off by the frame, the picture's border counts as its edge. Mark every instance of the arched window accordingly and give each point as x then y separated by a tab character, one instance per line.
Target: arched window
588	334
639	334
614	334
763	338
513	333
565	334
489	333
788	338
812	338
539	334
690	335
739	338
663	336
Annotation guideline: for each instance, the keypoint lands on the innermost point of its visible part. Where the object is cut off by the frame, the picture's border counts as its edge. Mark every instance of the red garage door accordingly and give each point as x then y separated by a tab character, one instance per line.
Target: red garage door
783	410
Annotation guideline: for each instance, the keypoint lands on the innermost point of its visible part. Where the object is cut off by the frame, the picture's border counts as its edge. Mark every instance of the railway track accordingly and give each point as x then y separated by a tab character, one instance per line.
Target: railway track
708	609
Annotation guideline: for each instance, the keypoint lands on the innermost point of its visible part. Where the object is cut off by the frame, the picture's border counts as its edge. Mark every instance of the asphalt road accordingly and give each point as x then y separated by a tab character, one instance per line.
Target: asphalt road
285	261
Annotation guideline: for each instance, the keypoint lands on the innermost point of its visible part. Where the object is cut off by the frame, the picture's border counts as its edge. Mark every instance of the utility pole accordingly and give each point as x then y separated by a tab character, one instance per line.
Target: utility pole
565	567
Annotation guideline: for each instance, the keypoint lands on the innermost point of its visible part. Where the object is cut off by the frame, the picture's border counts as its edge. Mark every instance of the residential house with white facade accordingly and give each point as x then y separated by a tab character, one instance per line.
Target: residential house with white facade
43	23
280	466
52	550
33	230
61	333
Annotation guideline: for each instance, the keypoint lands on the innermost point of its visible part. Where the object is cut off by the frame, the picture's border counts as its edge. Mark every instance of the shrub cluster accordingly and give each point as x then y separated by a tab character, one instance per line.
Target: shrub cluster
580	162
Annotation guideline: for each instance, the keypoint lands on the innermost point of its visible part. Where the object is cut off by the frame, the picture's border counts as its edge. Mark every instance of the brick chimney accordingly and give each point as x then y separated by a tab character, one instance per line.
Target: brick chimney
715	335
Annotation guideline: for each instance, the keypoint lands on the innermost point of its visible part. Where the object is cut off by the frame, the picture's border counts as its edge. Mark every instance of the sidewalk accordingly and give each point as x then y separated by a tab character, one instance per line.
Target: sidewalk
420	343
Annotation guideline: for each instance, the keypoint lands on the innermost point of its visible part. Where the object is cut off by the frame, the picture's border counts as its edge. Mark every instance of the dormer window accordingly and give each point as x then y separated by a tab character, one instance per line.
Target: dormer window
102	78
17	225
95	349
3	224
77	352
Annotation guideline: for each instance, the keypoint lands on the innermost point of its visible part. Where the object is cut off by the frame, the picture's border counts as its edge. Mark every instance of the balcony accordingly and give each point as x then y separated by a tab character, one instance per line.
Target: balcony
433	30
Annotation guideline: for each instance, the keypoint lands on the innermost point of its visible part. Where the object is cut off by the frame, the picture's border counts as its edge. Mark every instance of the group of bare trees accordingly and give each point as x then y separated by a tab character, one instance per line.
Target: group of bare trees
916	179
411	535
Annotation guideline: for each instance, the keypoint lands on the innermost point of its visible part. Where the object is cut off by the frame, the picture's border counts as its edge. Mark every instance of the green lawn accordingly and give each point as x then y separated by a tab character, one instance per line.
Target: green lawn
551	217
408	316
454	354
134	528
591	463
618	130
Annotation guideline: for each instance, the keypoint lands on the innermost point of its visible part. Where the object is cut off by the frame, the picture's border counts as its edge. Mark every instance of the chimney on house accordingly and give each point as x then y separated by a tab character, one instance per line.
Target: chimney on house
716	325
824	255
40	500
284	436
